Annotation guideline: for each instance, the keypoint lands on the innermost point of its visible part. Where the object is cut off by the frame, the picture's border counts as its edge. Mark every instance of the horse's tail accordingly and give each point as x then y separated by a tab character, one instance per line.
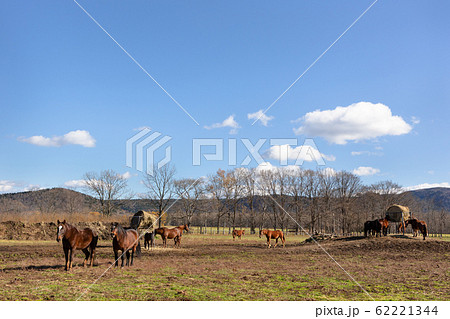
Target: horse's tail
94	242
425	231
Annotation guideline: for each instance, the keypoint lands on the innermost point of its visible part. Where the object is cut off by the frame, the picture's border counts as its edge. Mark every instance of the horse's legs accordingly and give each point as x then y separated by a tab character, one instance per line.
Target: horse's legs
66	258
132	255
128	257
268	242
116	257
91	262
71	257
123	258
87	254
276	242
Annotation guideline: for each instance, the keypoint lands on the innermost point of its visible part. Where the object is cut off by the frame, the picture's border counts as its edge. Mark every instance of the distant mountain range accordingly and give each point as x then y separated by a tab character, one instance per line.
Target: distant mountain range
68	200
440	196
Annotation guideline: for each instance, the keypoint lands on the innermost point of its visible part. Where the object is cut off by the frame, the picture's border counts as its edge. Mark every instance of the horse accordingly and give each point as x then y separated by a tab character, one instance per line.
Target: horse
172	233
149	240
238	233
73	239
418	225
125	240
371	227
402	226
384	226
273	234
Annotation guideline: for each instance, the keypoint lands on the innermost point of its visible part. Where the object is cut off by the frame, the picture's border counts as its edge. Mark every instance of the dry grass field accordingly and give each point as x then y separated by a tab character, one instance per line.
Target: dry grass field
213	267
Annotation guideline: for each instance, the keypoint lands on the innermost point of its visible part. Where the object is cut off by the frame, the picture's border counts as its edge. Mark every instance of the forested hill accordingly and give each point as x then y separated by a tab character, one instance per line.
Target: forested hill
56	199
439	196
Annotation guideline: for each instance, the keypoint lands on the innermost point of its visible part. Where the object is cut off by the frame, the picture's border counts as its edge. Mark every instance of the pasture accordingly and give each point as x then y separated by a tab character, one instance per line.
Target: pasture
213	267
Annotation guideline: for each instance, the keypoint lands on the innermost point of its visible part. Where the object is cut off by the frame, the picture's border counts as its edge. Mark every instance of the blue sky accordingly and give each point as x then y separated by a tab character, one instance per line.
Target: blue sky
61	73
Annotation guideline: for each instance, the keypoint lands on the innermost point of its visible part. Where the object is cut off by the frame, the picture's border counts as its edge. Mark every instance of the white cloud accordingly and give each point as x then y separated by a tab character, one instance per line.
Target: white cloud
356	122
301	153
228	122
365	171
261	116
32	187
328	171
357	153
78	137
7	186
426	185
415	120
75	183
126	175
266	166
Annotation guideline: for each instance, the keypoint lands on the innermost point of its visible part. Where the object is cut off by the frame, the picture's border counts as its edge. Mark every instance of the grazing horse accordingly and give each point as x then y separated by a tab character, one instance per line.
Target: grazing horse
418	225
125	240
238	233
384	226
172	233
401	226
149	240
73	239
371	227
273	234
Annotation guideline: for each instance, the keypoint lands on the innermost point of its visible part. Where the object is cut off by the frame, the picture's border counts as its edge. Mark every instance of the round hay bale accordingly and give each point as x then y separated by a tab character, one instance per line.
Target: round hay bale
144	220
395	212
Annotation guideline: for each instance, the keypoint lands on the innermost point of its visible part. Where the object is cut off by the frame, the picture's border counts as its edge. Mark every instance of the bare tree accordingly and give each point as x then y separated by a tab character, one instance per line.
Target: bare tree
219	189
109	188
249	193
296	189
327	189
190	191
160	186
348	186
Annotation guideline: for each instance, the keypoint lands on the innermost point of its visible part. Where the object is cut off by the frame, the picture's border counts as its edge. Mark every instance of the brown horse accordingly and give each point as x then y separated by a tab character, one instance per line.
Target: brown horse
238	233
384	226
172	233
73	239
418	225
149	240
124	240
372	227
273	234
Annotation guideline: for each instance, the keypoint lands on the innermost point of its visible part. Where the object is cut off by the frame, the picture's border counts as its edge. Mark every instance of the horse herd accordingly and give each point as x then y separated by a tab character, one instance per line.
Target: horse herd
380	226
126	240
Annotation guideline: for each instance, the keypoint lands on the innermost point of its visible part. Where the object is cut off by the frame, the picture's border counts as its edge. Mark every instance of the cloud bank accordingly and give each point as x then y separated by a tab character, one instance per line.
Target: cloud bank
365	171
78	137
228	122
261	116
356	122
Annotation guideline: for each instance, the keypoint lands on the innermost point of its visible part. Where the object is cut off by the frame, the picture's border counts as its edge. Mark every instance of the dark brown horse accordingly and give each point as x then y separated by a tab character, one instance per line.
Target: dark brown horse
172	233
149	240
384	226
73	239
372	227
238	233
273	234
124	240
418	225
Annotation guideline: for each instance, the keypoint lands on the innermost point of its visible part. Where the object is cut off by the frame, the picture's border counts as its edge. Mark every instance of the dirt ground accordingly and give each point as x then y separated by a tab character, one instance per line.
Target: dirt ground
213	267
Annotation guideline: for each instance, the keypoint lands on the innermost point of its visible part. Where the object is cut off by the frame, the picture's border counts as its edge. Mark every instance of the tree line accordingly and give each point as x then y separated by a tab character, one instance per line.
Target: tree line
288	198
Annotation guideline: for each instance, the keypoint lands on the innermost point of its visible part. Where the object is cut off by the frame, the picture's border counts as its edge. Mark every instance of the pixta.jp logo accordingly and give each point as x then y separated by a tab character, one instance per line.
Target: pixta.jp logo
141	151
